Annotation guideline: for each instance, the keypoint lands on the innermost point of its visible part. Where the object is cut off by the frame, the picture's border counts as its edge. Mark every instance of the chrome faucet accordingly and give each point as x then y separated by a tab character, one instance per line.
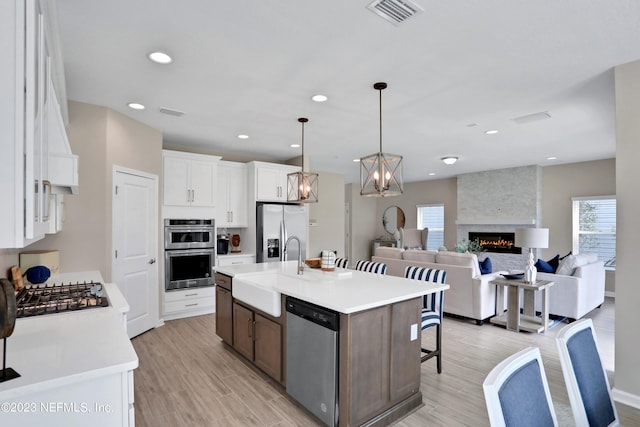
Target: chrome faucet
300	265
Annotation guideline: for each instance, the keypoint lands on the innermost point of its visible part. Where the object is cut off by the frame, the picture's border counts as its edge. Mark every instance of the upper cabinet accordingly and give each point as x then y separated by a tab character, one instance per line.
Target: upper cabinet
31	126
231	206
189	182
271	181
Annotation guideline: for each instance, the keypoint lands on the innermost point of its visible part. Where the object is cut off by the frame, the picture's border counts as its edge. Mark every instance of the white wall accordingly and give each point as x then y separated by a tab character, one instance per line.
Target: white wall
362	223
562	182
328	216
101	138
627	371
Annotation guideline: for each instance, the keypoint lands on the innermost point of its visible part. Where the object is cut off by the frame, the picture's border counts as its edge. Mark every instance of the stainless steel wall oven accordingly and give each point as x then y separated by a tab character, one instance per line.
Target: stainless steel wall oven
189	256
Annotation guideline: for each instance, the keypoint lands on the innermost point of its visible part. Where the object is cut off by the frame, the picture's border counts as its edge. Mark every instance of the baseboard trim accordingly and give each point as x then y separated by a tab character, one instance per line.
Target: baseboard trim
610	294
400	410
626	398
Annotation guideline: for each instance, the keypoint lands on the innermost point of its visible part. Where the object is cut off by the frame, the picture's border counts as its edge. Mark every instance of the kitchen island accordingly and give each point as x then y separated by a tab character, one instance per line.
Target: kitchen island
379	331
76	368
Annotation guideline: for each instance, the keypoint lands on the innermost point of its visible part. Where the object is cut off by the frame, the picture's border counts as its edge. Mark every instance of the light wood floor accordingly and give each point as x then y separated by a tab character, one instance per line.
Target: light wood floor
187	378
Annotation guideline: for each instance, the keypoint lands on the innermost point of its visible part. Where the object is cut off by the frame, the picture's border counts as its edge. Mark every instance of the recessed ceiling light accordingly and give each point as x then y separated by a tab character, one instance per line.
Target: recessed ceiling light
135	106
449	160
243	136
294	145
492	132
319	98
432	173
552	158
160	58
356	160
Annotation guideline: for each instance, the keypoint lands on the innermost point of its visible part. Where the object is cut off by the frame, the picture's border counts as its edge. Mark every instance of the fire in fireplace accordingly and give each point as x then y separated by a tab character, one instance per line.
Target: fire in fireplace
496	241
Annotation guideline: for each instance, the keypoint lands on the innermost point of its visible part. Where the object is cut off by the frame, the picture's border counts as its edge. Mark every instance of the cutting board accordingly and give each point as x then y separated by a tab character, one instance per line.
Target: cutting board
16	278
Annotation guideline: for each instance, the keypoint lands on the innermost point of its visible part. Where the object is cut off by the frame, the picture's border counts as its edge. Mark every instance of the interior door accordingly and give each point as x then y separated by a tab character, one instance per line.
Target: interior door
135	247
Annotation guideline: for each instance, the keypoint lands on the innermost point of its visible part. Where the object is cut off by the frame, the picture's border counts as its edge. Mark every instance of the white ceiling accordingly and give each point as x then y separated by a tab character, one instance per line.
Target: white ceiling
251	66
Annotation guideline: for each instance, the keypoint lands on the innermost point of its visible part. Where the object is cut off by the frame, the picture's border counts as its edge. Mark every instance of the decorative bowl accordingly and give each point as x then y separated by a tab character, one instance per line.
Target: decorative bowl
313	262
513	276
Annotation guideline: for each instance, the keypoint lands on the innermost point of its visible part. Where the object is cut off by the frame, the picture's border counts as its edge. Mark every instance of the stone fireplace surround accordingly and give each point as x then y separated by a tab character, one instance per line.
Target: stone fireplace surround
499	202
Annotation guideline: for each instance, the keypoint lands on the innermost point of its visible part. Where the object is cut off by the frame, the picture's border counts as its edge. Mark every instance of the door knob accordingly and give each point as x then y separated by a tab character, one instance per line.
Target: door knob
152	261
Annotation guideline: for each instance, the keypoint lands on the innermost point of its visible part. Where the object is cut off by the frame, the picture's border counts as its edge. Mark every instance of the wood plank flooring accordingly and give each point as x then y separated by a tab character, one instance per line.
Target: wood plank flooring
188	378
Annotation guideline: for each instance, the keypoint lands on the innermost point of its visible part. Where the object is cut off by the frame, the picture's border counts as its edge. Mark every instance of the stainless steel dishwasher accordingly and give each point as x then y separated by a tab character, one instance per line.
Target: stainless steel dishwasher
312	358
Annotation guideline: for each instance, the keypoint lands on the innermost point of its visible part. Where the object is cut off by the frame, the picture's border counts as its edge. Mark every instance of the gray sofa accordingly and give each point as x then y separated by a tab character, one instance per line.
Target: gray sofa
470	294
578	288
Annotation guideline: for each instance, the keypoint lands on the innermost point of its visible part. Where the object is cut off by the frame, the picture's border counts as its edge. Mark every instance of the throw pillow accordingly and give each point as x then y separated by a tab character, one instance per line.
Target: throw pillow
567	266
553	263
544	266
485	266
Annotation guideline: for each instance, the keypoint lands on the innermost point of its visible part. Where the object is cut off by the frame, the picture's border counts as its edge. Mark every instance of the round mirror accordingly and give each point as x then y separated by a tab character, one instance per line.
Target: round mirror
393	220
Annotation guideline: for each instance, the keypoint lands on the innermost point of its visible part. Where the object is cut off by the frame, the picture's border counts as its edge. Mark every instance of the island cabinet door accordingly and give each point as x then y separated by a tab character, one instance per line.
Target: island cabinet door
224	314
364	364
268	346
405	349
379	362
243	331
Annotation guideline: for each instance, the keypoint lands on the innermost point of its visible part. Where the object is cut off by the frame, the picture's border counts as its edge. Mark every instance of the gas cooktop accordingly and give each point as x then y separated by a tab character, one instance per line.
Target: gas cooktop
35	300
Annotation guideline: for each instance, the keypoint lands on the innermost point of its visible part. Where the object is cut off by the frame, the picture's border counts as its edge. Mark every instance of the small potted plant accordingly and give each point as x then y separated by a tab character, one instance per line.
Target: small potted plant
472	246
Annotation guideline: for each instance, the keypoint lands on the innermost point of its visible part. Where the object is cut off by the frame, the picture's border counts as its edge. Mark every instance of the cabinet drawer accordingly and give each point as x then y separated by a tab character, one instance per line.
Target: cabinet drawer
170	307
223	281
189	294
236	259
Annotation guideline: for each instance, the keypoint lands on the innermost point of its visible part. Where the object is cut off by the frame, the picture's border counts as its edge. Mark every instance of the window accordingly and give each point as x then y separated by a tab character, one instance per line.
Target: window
432	217
594	227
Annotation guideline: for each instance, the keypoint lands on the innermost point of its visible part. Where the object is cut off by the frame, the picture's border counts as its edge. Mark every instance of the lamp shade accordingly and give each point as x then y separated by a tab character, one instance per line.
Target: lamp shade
532	238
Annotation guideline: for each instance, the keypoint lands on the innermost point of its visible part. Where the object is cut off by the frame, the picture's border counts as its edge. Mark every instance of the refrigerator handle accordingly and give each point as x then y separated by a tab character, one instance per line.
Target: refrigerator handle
283	240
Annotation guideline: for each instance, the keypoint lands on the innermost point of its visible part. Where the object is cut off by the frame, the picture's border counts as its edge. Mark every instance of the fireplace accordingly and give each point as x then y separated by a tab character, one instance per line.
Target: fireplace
501	242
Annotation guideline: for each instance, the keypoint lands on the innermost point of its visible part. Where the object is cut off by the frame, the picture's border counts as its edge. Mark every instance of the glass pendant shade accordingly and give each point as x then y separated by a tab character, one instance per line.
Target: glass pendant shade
381	173
302	187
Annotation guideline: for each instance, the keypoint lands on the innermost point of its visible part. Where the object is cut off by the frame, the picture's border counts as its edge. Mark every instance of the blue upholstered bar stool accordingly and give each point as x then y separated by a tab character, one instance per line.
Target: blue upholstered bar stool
431	314
517	393
585	376
371	267
342	262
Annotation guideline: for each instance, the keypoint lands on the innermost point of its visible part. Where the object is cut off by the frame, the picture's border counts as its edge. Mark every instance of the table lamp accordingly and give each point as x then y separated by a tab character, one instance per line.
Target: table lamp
532	238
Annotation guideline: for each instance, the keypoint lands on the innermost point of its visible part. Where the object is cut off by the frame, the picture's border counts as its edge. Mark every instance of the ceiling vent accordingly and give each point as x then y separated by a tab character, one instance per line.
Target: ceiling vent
395	11
171	112
532	117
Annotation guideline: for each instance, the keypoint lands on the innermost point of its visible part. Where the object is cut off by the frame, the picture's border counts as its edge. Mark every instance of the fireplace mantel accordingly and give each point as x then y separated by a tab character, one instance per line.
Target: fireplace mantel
496	221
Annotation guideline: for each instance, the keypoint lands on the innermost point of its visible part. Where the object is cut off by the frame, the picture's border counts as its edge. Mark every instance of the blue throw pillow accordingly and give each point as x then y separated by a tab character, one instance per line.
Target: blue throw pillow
554	262
544	267
485	266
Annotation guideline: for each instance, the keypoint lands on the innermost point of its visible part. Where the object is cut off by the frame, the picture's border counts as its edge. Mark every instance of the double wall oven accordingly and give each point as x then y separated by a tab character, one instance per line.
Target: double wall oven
189	253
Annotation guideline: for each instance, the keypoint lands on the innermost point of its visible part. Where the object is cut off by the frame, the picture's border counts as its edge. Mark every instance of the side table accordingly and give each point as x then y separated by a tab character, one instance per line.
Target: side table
527	321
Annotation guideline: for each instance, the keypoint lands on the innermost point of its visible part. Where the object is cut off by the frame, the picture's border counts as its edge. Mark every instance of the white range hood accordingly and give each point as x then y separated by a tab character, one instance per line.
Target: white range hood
62	163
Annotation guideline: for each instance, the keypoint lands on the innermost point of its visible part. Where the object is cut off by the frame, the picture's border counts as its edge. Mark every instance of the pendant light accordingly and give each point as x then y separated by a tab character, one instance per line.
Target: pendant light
381	173
302	187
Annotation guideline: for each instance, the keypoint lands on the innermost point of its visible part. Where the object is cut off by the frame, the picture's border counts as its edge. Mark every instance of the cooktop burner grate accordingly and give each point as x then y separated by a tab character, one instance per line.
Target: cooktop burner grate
36	300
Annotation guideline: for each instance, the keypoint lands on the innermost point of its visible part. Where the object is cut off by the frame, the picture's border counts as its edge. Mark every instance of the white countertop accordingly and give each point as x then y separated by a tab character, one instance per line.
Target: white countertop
356	292
56	350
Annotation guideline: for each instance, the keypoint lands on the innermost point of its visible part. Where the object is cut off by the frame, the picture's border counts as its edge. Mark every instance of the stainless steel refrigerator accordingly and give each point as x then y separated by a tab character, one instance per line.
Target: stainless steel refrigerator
275	224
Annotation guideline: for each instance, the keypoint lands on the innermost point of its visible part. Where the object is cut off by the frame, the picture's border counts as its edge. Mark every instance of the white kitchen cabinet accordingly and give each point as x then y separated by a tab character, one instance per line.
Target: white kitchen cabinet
189	179
28	44
235	259
271	181
231	206
189	302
